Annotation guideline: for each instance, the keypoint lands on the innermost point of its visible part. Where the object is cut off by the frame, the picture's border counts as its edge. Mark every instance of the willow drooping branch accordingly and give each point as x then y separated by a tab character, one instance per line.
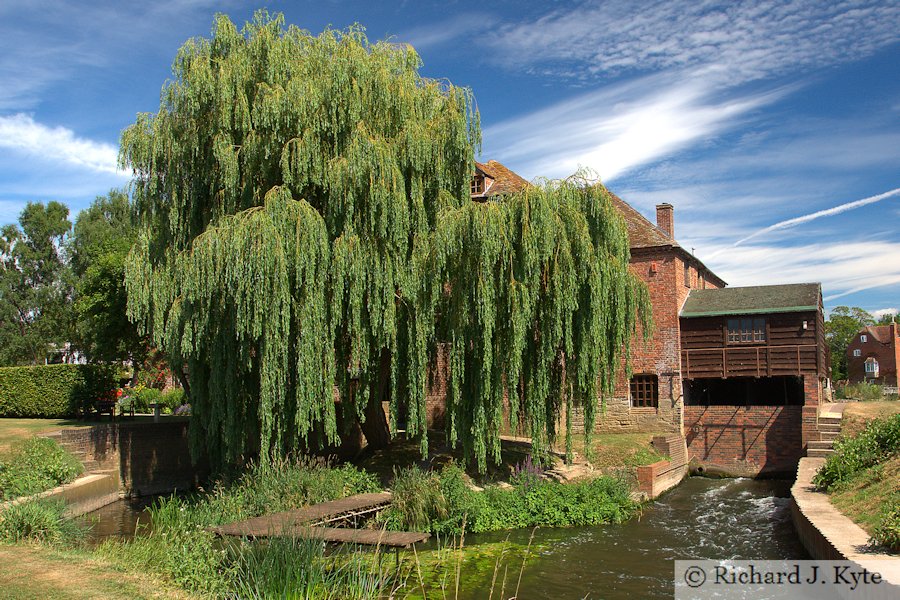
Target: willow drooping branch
307	224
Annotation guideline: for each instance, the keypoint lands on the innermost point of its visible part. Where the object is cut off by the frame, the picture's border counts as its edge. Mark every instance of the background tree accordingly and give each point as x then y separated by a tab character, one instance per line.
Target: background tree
306	221
103	236
887	319
842	325
35	285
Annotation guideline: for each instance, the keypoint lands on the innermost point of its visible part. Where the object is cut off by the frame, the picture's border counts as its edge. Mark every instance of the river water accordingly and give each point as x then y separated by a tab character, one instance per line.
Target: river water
701	518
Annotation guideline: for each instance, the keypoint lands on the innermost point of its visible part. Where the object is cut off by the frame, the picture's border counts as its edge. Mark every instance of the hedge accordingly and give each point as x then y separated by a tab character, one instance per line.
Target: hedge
53	391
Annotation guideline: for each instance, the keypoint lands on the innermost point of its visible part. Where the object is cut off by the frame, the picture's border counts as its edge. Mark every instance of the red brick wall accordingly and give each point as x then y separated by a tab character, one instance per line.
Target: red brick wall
745	440
152	458
887	355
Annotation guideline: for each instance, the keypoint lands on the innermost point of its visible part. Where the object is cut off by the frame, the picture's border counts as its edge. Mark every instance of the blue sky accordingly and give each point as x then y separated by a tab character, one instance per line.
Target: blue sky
773	127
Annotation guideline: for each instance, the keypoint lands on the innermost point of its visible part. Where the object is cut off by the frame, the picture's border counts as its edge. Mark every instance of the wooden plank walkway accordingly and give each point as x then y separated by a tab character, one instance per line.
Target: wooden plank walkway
302	521
363	537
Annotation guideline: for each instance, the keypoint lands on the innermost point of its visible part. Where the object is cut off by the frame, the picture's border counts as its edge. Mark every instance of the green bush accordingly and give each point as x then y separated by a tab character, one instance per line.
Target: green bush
872	446
864	392
440	503
887	532
53	391
39	521
172	399
37	465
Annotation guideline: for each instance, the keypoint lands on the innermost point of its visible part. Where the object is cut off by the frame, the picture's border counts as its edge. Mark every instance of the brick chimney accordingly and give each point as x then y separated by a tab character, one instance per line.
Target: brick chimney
665	219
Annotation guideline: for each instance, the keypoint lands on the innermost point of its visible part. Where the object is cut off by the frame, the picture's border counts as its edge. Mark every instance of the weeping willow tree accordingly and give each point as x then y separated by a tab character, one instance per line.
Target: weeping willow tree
306	226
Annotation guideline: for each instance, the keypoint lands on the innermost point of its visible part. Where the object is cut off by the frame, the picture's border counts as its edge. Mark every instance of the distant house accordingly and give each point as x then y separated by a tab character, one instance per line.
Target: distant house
739	372
873	355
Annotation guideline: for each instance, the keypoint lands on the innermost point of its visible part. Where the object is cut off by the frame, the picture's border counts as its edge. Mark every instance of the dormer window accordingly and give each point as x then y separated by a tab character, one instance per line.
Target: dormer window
864	338
478	185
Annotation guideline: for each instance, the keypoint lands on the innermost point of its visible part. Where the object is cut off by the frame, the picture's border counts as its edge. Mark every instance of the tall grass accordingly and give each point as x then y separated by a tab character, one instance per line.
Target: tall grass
40	521
36	465
178	545
879	441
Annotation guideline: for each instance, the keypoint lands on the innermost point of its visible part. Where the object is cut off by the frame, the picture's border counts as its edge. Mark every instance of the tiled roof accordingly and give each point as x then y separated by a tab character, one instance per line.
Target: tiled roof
881	333
795	297
641	232
505	181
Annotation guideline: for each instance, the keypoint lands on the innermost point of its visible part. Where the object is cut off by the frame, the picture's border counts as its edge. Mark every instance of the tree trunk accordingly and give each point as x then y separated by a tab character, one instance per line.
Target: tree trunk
375	427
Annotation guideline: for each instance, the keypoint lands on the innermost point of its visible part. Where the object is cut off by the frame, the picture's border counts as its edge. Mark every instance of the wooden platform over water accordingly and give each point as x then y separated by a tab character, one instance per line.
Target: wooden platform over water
308	522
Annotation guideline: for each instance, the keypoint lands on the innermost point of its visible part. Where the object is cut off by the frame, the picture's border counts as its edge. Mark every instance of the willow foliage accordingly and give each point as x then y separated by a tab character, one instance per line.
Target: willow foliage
306	215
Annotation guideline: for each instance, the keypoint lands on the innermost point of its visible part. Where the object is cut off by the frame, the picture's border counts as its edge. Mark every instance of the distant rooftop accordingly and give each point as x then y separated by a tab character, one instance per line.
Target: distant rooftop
795	297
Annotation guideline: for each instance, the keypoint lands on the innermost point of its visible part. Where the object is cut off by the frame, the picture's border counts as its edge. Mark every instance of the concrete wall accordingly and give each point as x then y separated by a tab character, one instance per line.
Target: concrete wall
663	475
827	534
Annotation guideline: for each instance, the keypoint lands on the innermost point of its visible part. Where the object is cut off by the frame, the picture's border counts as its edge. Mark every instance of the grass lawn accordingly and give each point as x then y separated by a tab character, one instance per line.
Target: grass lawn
614	451
37	572
864	497
17	430
857	414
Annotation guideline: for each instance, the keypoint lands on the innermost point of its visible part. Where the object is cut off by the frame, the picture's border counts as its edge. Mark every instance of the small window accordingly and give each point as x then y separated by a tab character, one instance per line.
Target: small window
857	353
863	339
477	185
687	275
645	391
872	367
746	331
702	284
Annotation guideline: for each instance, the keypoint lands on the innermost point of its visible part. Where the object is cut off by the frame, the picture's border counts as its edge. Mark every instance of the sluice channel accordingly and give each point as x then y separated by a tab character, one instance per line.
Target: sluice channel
701	518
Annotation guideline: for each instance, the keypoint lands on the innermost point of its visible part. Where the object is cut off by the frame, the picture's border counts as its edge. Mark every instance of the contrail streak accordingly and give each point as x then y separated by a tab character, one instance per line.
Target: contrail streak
828	212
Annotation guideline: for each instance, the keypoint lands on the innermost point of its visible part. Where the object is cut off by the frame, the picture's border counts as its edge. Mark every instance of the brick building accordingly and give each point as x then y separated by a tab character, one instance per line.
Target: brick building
873	355
749	405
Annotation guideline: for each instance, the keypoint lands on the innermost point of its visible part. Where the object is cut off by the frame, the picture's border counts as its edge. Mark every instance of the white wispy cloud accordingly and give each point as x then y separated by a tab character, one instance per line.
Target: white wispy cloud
843	267
435	34
20	132
880	312
734	41
828	212
619	127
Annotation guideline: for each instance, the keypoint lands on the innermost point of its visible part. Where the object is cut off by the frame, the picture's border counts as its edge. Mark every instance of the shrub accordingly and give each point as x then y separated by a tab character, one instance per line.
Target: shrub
38	464
39	521
864	392
53	391
887	532
441	503
873	445
172	399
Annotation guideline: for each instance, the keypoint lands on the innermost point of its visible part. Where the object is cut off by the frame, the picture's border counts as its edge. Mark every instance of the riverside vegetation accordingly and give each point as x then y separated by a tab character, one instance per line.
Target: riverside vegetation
36	465
177	546
863	478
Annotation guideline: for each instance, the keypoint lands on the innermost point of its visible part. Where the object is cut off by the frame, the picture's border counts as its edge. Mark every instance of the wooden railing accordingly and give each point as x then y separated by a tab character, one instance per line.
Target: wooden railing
749	361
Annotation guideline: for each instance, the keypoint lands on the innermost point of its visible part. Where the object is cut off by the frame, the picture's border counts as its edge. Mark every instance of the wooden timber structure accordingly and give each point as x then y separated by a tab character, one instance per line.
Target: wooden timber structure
311	522
790	340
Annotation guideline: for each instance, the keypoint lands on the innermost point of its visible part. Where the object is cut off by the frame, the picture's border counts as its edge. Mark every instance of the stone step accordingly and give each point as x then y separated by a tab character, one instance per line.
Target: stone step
829	420
814	453
829	426
819	445
829	435
90	465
